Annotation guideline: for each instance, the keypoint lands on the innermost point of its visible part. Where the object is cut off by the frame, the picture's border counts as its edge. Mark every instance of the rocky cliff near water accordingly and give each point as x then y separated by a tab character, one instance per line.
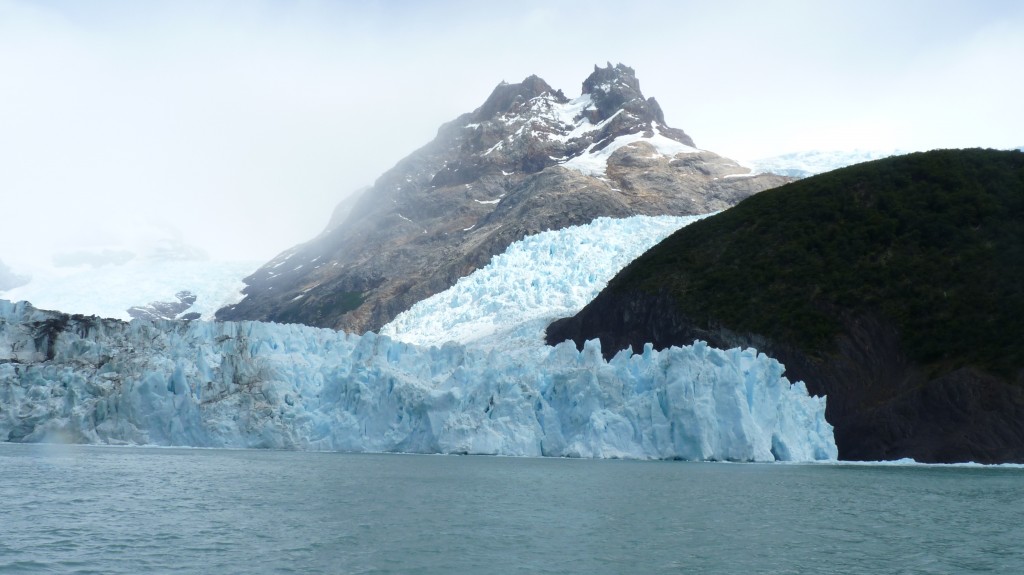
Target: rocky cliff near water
527	160
892	287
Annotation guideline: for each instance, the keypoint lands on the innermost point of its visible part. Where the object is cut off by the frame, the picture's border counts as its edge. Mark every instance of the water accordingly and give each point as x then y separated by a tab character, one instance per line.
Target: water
106	510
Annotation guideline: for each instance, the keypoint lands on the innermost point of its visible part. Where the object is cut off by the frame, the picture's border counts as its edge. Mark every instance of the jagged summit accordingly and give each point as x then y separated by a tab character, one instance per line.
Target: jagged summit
613	78
507	96
612	88
530	126
527	160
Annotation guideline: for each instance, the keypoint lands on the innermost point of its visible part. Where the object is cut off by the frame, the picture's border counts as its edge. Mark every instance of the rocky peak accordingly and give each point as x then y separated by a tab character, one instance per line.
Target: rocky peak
611	89
505	97
610	79
616	99
530	126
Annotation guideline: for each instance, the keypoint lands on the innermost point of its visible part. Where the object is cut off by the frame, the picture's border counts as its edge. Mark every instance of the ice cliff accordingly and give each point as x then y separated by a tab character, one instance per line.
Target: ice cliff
250	384
495	389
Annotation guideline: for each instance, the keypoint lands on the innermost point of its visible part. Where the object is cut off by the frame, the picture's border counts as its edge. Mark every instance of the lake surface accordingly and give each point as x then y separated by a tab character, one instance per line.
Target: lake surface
81	509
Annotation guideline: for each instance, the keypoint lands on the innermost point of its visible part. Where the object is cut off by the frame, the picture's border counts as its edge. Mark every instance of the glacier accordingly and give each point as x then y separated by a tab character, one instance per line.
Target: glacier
812	162
109	290
251	384
509	303
465	371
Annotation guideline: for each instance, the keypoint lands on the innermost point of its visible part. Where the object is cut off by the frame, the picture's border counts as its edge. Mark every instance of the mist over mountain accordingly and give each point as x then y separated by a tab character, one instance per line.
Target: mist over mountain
527	160
9	279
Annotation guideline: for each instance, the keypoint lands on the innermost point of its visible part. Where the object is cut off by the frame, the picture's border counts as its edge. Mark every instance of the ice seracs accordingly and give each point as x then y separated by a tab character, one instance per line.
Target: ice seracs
507	304
502	392
251	384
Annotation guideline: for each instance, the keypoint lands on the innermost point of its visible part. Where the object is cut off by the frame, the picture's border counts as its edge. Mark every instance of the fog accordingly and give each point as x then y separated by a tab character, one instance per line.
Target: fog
236	127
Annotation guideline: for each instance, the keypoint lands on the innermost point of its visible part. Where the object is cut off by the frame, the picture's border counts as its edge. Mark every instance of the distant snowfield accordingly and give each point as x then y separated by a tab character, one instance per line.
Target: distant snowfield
812	162
509	303
108	291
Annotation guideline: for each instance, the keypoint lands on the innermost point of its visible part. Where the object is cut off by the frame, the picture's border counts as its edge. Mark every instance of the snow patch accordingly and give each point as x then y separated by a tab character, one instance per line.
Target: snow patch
594	163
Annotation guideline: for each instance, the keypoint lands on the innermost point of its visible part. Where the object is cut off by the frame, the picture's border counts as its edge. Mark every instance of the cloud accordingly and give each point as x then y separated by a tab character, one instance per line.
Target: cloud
239	125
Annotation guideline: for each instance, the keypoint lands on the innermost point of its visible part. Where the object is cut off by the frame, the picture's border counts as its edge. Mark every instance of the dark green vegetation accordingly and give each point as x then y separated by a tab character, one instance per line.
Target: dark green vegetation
883	285
933	242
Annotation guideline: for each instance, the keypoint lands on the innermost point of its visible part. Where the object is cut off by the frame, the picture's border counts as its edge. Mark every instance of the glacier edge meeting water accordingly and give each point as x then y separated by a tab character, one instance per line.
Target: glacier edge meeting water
496	390
250	384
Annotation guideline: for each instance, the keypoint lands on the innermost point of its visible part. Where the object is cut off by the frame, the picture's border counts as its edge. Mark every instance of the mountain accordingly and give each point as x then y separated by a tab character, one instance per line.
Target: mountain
529	159
251	384
893	287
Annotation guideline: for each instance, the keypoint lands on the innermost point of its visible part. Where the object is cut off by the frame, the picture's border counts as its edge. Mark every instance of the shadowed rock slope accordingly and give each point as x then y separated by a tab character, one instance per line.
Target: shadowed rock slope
528	160
894	287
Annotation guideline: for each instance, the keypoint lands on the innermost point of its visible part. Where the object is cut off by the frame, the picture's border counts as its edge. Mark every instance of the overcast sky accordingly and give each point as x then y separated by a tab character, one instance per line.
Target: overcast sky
238	126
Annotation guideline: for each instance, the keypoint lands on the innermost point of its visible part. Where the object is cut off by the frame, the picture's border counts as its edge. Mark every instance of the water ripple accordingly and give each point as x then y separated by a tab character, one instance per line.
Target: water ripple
127	511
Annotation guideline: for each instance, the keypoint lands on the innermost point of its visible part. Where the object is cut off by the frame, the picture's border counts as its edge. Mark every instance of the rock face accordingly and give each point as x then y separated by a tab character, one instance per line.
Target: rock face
529	159
166	309
892	287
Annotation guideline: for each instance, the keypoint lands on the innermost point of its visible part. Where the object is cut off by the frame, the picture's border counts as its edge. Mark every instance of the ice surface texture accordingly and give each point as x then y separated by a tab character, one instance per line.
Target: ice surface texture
509	303
250	384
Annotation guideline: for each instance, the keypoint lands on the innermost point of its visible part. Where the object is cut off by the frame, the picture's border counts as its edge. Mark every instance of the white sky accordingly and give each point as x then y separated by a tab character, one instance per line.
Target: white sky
238	125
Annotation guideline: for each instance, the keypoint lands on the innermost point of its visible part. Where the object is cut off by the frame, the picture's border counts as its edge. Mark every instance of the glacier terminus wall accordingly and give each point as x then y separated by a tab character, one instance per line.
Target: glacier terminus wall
250	384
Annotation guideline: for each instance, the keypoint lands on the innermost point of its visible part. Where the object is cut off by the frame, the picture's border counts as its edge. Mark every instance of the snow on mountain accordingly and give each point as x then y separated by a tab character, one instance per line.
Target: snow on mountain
508	304
594	162
528	159
550	119
110	290
808	163
251	384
